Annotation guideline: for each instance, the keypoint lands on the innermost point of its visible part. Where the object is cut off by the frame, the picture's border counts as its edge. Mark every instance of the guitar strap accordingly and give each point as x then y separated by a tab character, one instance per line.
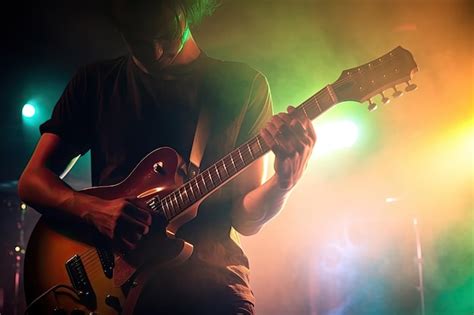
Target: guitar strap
200	140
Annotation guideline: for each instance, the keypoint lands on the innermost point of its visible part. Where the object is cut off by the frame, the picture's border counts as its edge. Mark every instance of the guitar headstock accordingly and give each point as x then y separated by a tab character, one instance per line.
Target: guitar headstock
375	77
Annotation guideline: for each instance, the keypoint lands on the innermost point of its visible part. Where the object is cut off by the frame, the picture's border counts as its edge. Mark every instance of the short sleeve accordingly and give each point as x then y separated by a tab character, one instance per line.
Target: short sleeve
259	109
71	119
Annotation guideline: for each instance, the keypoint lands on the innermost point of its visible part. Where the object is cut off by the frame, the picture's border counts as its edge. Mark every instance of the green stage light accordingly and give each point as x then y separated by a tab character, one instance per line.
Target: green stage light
28	110
336	135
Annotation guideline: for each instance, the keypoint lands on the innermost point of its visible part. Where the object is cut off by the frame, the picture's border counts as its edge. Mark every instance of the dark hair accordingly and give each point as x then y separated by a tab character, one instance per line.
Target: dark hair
194	10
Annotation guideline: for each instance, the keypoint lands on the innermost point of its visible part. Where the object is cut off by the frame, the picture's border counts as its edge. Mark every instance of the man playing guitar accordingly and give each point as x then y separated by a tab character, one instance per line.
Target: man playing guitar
123	108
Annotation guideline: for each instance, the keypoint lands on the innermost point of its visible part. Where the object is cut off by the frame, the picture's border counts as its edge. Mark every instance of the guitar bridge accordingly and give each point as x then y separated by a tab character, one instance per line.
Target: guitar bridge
80	281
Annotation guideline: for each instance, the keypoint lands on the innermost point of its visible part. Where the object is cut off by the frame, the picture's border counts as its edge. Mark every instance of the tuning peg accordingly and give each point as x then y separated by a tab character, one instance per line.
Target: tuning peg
385	100
396	92
372	105
410	87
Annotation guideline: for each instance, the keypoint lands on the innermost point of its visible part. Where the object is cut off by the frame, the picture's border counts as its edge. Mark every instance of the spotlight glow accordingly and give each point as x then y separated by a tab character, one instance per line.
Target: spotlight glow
28	110
335	136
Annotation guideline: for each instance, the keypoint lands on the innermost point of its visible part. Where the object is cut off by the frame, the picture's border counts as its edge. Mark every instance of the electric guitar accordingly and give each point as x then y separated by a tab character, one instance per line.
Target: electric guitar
70	267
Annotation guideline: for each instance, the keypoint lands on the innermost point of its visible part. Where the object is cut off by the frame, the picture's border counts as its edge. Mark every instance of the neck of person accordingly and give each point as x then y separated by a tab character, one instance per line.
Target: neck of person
189	53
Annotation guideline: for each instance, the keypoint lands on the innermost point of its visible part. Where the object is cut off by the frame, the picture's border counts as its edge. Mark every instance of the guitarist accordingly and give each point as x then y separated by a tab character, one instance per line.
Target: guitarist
121	109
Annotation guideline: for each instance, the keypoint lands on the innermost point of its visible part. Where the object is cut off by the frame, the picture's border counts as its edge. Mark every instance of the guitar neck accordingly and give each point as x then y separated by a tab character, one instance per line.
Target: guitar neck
358	84
236	161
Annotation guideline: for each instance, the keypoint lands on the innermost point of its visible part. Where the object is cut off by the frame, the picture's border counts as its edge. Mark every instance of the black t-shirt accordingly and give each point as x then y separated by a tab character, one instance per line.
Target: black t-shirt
120	114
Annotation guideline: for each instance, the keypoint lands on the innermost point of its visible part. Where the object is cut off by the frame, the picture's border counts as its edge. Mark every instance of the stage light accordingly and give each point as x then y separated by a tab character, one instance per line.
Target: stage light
336	135
28	110
391	199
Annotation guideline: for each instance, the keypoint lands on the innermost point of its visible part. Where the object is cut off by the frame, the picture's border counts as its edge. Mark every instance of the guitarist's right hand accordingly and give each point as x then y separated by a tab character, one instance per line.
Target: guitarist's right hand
120	221
41	187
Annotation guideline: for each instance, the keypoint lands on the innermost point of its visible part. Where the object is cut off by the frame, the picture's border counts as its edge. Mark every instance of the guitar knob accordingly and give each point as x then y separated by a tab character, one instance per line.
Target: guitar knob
385	100
372	105
397	93
410	87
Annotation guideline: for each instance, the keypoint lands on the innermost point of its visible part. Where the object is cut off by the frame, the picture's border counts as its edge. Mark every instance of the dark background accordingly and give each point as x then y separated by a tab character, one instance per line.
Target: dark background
418	149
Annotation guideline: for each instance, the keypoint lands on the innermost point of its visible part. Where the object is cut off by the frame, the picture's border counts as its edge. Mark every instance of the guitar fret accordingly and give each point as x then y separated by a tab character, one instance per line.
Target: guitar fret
170	210
181	197
240	154
171	203
232	161
304	111
175	196
192	190
217	171
225	168
197	185
210	177
176	200
317	103
186	193
332	95
164	209
259	144
204	182
250	150
174	209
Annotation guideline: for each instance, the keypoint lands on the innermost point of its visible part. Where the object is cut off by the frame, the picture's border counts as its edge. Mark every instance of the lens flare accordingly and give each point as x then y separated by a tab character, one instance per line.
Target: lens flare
335	136
28	110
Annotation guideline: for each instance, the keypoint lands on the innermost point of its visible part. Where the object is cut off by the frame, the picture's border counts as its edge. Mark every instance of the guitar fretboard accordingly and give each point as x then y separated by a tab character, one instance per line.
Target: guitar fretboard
233	163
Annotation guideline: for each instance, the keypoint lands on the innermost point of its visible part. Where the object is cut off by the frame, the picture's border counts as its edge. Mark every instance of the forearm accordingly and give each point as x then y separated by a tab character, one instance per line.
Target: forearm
43	190
258	206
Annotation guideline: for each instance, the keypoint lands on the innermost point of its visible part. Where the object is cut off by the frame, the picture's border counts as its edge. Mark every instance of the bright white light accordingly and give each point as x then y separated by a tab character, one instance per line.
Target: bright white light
335	136
28	110
391	199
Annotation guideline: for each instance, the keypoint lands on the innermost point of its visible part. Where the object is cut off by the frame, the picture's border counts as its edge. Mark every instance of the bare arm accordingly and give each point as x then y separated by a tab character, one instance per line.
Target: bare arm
259	202
40	184
41	187
292	140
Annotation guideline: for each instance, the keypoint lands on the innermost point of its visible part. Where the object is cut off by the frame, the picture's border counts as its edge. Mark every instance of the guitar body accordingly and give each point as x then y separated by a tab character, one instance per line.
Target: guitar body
74	255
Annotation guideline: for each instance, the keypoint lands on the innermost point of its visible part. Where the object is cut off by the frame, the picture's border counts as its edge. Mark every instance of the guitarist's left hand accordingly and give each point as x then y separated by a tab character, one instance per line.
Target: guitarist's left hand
292	138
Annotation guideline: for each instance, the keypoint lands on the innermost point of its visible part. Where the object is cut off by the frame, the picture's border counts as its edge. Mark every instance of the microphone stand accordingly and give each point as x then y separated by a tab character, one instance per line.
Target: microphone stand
419	261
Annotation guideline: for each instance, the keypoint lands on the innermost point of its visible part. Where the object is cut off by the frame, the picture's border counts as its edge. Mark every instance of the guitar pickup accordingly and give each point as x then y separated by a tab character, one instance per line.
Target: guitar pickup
107	260
80	281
